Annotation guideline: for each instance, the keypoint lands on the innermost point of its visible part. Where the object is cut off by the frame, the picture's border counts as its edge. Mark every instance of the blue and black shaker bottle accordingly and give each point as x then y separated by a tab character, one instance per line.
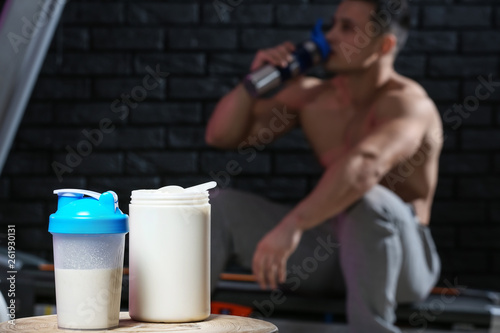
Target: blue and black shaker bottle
306	55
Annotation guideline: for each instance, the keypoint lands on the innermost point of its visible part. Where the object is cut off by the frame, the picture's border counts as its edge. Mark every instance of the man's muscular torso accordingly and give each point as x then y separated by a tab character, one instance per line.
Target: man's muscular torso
333	124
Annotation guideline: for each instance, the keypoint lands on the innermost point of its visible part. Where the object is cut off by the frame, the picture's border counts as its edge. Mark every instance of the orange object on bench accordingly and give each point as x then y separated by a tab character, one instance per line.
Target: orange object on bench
238	277
230	309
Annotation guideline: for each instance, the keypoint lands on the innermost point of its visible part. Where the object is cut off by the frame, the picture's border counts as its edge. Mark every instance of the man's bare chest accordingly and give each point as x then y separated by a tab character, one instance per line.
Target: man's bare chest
332	128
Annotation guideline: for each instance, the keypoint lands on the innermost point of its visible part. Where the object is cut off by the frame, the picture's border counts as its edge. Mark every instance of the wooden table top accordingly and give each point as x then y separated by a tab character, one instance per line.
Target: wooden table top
213	324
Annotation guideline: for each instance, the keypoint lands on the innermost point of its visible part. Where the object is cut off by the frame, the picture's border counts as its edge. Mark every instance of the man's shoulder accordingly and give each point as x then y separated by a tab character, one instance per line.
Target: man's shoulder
404	97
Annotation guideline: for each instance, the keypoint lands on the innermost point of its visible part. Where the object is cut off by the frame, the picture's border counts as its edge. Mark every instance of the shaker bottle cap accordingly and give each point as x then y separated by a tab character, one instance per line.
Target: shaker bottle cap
319	38
95	214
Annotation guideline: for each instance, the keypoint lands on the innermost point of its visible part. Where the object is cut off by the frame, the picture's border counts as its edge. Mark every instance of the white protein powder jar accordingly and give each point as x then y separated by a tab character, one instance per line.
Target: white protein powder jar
169	252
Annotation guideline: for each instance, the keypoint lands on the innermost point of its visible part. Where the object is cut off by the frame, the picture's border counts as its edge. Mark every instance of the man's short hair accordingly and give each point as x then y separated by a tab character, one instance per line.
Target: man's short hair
398	18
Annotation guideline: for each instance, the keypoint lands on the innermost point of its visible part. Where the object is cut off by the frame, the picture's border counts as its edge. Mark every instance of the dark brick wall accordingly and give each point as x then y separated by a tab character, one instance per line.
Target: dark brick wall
96	96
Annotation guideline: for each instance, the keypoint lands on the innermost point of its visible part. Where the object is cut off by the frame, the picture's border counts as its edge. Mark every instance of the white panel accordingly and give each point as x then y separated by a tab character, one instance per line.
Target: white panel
26	29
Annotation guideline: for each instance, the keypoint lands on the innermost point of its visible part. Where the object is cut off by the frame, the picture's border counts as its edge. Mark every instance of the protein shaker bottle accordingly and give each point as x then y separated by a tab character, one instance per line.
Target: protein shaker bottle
169	252
305	56
89	241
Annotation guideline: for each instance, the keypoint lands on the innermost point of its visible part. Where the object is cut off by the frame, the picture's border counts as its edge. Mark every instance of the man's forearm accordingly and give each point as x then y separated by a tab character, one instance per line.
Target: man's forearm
231	119
340	186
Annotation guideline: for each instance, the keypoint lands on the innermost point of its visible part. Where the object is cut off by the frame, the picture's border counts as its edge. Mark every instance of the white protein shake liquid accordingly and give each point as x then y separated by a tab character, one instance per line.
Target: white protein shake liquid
88	298
169	254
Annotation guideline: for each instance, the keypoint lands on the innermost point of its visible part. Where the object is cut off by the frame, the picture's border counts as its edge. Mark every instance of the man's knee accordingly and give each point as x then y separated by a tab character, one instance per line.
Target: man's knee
373	205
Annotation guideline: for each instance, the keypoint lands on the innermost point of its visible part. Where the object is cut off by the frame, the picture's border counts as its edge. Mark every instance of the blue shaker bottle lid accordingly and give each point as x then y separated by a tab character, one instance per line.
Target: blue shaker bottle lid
319	39
95	214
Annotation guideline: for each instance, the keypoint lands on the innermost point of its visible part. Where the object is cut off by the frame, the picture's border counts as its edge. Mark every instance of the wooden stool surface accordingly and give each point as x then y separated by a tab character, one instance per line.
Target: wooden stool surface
213	324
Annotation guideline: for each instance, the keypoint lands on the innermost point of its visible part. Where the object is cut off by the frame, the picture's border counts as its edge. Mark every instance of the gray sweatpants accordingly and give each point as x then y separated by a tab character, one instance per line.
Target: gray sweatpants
376	252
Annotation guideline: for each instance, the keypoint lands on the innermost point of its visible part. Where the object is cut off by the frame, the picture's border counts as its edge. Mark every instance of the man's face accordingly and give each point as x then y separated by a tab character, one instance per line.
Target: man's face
353	40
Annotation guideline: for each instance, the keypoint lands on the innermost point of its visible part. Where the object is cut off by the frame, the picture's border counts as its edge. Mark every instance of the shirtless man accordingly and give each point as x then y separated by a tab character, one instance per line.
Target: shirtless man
378	137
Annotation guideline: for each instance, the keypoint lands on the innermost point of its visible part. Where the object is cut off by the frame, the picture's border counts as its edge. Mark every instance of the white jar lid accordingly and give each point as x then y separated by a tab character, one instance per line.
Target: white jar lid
173	195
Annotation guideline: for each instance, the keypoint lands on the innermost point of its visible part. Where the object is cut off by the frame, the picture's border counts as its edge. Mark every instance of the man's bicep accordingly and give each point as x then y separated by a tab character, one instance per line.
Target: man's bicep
271	119
279	114
275	116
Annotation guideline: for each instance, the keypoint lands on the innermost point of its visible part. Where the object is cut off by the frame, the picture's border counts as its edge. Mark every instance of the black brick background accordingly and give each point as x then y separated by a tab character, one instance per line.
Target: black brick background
100	55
